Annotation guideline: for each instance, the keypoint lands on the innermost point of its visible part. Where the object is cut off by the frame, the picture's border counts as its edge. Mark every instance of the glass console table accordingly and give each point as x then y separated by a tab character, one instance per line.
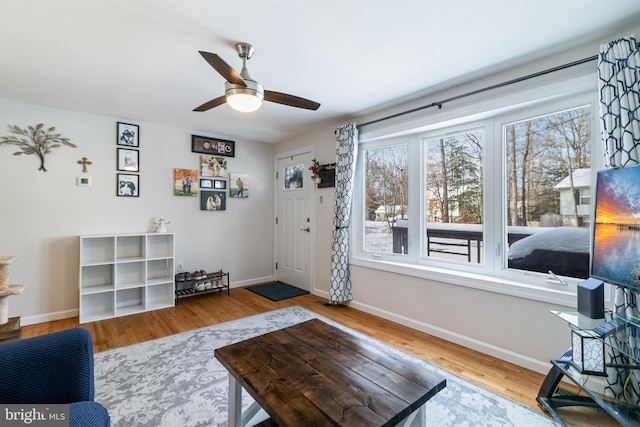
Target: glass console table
613	335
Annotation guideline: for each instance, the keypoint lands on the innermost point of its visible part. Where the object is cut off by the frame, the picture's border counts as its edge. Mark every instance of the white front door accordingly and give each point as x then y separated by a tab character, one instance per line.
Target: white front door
294	191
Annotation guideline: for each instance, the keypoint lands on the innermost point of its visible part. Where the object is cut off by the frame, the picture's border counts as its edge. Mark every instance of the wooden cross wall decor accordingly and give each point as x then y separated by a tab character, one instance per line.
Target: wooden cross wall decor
84	162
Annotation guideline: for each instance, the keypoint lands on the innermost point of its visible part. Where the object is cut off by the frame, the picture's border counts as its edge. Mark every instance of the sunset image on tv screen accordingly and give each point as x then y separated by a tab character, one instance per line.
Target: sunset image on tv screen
616	231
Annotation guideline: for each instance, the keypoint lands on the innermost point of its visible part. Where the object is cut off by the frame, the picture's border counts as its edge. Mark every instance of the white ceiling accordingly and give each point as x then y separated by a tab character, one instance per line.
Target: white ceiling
137	60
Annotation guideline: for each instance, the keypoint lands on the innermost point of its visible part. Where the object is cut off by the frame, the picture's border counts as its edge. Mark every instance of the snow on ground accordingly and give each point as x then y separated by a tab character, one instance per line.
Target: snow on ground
560	239
377	237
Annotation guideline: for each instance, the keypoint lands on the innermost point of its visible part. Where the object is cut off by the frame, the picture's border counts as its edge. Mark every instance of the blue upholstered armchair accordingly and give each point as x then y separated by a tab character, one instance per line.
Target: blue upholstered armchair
56	368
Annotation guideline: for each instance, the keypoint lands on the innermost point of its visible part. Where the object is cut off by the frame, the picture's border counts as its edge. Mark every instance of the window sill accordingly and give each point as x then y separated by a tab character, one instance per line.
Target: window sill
562	296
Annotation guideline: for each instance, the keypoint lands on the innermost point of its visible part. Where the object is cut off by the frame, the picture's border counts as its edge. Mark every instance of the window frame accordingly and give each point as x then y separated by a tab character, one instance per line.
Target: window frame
359	207
361	158
486	126
584	195
491	116
542	280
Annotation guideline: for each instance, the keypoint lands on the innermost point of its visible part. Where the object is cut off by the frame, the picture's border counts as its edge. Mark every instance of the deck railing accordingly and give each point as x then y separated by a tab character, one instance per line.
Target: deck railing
453	239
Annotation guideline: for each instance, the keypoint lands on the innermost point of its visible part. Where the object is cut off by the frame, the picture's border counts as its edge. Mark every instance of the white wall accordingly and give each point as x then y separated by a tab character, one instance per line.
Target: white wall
515	329
42	214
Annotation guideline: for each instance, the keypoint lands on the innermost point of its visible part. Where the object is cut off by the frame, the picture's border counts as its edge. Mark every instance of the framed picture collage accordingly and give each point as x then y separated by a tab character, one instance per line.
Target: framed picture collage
211	181
127	160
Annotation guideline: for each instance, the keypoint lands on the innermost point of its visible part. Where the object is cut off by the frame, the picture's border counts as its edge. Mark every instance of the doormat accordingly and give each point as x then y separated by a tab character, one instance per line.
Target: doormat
276	291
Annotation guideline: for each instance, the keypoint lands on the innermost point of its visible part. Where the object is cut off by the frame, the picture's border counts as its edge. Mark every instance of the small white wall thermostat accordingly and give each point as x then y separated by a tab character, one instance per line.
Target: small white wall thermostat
83	181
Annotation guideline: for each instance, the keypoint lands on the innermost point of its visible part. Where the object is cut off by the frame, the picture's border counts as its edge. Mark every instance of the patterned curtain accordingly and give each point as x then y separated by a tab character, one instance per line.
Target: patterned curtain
619	85
346	151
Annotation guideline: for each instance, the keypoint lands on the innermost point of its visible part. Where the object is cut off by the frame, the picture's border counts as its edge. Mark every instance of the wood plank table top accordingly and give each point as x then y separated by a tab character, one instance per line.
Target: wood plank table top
314	374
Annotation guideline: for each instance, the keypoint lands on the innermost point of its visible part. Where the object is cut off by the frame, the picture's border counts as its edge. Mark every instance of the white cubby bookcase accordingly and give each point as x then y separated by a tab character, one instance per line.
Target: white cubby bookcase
123	274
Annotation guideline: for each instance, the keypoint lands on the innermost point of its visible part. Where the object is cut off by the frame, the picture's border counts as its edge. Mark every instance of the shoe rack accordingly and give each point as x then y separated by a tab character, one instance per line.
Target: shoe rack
203	283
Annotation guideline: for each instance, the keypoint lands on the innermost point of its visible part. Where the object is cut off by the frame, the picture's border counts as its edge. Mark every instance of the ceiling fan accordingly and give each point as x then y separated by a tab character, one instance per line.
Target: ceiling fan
241	91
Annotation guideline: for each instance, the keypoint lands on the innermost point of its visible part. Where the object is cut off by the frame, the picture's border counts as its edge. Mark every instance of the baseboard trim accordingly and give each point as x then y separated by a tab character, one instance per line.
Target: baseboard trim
451	336
65	314
243	283
49	317
474	344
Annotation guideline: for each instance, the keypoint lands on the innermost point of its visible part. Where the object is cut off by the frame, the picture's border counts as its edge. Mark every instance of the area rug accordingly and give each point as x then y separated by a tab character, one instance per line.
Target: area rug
276	291
176	381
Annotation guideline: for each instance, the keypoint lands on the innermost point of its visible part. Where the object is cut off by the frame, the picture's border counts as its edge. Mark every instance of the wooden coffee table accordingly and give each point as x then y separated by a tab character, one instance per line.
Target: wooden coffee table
314	374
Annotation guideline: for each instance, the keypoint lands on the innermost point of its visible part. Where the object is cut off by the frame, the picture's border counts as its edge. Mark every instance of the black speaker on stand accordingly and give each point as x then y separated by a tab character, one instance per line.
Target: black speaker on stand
591	298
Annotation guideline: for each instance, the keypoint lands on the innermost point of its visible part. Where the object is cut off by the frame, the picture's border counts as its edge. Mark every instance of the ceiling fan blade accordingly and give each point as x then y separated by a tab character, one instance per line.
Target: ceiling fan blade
225	70
290	100
210	104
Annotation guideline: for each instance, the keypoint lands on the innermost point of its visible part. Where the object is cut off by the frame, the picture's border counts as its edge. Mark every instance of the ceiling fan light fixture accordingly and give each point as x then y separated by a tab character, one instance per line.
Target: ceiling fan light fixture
244	102
245	99
242	93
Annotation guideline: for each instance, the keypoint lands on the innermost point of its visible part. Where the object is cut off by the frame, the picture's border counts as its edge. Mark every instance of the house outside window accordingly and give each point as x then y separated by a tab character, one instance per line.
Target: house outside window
575	198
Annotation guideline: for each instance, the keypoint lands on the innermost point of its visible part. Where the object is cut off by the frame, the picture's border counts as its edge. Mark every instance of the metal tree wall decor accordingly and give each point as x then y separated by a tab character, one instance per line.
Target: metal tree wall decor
35	140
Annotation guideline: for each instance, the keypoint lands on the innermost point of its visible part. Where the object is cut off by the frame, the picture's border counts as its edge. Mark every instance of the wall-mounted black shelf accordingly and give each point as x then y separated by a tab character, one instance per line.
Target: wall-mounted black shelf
327	174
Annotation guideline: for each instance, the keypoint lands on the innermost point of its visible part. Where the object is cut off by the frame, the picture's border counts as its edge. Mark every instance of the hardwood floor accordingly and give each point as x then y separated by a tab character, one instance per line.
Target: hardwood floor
509	380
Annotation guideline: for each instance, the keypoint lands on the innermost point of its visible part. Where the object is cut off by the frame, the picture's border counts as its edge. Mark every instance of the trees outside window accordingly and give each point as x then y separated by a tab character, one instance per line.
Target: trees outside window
542	152
548	169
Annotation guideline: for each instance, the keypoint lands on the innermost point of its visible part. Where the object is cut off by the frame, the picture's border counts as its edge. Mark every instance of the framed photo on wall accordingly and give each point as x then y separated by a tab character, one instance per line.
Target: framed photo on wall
128	160
213	146
213	201
219	184
185	182
206	183
239	185
128	134
213	166
127	185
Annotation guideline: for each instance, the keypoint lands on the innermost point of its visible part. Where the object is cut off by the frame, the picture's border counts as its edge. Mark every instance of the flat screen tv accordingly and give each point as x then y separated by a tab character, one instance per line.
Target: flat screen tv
615	252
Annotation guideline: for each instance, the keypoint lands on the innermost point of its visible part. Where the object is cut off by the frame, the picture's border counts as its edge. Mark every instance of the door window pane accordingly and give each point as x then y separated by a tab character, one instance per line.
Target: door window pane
453	196
293	176
548	190
386	203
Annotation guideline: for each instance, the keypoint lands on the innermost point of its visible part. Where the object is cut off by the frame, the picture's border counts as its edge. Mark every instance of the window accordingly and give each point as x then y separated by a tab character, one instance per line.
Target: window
548	169
293	177
504	195
386	199
584	196
453	196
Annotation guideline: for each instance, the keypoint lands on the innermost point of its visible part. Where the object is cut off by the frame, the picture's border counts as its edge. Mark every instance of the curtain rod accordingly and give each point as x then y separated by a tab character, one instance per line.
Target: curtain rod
475	92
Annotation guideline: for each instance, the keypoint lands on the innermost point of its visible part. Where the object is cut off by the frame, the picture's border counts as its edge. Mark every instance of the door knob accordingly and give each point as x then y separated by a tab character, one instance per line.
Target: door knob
306	229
